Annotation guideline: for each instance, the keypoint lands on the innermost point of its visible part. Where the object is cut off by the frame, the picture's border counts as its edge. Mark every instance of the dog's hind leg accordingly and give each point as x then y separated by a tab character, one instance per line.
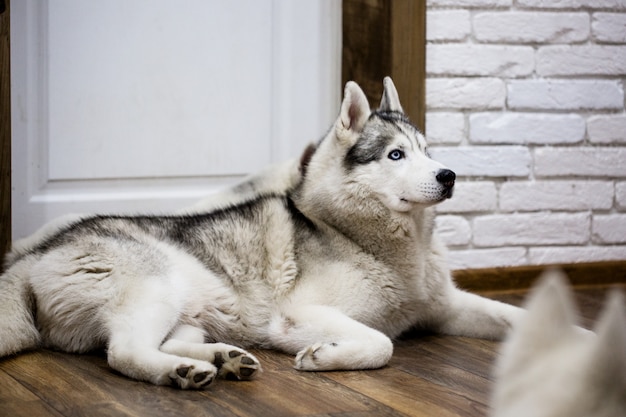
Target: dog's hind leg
231	362
133	350
17	325
326	339
467	314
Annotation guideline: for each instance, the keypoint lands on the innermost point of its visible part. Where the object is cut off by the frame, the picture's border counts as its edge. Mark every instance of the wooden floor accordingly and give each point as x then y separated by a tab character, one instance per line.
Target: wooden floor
428	376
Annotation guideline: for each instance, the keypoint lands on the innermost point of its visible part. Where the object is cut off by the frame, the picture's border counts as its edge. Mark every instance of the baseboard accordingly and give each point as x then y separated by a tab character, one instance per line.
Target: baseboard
523	277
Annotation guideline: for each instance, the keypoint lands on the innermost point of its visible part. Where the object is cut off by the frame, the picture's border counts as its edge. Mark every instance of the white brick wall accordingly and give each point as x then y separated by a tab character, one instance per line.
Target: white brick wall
607	129
620	195
542	228
582	161
525	102
565	95
526	128
556	195
526	27
609	228
578	60
482	60
449	127
573	4
465	93
609	27
486	161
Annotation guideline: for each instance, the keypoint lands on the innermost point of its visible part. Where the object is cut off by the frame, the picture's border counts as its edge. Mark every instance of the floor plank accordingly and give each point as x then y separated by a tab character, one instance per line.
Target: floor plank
429	375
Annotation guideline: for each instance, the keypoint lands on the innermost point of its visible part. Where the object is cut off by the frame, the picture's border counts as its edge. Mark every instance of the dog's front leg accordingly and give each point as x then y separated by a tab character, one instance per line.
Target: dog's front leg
467	314
325	339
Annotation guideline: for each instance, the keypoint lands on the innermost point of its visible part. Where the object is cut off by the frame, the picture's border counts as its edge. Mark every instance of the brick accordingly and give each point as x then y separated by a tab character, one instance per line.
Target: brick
470	3
470	196
531	229
447	25
526	128
453	230
531	27
565	95
485	161
609	228
580	162
573	254
620	195
486	258
573	4
445	127
607	129
465	93
562	60
556	195
479	60
609	27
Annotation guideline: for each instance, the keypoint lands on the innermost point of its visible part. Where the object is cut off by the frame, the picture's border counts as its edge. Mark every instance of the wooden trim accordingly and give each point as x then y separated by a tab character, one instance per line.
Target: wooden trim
516	278
5	129
384	37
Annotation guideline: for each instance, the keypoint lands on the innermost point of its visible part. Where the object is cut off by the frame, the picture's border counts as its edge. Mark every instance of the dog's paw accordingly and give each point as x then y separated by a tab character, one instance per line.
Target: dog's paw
315	357
193	377
236	364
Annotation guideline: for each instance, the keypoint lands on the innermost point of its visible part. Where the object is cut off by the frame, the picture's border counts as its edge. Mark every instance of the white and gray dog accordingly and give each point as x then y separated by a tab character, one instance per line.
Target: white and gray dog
330	265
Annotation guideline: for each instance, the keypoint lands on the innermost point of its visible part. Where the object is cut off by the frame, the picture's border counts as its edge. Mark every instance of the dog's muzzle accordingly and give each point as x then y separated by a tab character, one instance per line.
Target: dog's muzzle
446	178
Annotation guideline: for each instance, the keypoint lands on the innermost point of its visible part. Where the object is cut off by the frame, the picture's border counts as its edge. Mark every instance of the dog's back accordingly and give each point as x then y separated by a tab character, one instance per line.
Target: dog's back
551	368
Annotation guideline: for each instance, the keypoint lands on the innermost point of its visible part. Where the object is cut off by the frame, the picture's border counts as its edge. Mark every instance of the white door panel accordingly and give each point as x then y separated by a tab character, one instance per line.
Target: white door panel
148	105
130	82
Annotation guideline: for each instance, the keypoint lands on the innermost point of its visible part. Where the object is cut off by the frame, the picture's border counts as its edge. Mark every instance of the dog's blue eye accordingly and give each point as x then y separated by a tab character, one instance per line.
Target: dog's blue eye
396	155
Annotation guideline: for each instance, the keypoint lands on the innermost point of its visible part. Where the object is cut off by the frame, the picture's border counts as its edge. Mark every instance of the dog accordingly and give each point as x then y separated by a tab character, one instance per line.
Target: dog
328	259
549	367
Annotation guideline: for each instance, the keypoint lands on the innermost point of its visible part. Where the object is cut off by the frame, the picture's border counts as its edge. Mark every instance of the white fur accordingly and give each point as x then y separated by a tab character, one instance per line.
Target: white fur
551	368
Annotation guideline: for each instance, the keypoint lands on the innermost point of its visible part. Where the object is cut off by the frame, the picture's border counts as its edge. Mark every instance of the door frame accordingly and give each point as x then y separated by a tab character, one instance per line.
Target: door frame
5	128
387	37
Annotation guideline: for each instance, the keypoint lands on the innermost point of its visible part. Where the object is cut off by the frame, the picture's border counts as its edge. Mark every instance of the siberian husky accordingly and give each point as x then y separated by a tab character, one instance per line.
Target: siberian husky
551	368
329	263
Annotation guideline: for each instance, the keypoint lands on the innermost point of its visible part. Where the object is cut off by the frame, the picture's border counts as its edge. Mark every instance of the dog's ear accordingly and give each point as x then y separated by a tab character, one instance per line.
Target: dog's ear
390	100
355	110
550	318
608	359
551	308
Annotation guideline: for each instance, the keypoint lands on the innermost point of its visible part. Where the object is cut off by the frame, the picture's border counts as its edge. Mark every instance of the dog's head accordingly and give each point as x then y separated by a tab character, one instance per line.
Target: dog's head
381	154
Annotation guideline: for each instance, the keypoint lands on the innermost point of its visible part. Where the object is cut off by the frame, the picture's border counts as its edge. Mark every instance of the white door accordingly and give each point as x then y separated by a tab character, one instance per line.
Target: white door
148	105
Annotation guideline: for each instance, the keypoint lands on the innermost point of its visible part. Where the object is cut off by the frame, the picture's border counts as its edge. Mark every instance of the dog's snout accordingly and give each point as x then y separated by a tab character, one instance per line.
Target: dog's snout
446	178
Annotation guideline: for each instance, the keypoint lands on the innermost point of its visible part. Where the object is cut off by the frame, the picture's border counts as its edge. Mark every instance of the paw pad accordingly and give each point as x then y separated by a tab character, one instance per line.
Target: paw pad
188	377
236	365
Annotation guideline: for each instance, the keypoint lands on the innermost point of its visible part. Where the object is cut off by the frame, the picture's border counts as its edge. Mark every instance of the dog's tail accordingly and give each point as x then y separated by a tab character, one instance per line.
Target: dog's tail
17	324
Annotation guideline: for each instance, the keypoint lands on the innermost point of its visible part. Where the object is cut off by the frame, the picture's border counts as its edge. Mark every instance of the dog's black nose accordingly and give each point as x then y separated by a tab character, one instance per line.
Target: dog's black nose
446	178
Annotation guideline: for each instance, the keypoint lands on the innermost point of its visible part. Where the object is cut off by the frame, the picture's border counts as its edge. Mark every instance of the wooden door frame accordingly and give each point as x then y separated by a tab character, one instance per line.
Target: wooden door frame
387	37
5	128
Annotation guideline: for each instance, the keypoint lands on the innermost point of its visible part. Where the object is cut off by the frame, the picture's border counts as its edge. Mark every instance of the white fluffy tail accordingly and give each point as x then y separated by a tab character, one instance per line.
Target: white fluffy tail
17	325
